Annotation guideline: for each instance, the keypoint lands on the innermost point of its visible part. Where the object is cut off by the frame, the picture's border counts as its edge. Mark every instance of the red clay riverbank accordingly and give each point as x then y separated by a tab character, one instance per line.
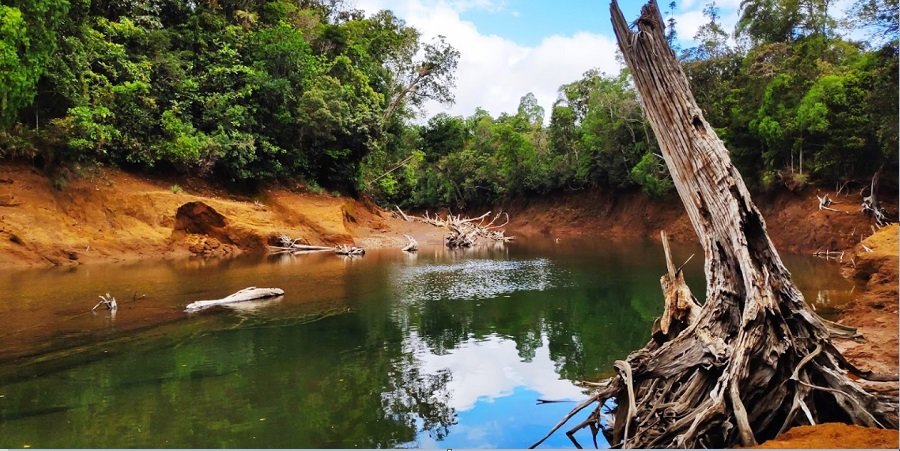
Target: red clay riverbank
110	215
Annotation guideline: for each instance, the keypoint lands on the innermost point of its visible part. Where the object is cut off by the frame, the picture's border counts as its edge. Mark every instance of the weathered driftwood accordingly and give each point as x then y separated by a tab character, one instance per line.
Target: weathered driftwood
247	294
465	231
344	249
107	301
872	207
411	244
829	254
825	203
293	246
757	360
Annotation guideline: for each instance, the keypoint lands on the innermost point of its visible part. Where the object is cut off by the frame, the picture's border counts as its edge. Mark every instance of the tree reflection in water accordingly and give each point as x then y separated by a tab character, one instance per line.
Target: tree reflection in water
382	351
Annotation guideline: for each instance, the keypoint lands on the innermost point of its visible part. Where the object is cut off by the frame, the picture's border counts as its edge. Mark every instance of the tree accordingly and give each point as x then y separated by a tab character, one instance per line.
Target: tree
433	77
530	110
443	135
764	21
671	34
712	41
754	359
27	41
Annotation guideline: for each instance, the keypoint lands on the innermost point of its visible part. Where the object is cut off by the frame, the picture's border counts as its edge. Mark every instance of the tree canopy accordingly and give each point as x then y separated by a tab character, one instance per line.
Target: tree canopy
246	92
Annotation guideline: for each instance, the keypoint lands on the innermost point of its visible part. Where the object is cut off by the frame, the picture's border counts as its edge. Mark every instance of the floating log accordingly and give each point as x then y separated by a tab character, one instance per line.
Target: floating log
247	294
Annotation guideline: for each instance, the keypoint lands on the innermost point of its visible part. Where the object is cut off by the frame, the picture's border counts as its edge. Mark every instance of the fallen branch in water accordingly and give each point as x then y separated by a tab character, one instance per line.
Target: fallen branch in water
828	254
108	301
344	249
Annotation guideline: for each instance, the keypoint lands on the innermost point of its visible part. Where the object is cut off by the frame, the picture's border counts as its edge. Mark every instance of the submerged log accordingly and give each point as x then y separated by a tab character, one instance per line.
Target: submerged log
247	294
757	360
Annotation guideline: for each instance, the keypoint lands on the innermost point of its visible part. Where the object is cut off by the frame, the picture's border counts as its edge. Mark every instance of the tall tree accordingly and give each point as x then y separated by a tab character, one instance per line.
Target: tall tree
671	34
712	40
530	110
432	77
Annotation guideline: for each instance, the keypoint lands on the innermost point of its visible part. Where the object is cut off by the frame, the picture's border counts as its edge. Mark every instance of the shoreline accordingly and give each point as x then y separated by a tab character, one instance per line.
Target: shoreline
112	216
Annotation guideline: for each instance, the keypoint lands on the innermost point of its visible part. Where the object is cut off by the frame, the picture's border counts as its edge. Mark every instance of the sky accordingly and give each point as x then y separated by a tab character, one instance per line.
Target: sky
512	47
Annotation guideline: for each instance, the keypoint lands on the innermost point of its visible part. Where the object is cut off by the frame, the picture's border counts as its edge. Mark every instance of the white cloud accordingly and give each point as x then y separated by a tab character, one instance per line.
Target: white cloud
495	72
473	381
687	24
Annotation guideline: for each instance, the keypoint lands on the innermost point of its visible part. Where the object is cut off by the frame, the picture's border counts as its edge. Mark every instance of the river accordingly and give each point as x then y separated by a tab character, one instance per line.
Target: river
447	349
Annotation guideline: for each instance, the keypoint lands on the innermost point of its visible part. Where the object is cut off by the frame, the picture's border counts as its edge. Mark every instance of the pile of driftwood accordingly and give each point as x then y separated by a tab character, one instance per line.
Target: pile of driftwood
294	247
465	231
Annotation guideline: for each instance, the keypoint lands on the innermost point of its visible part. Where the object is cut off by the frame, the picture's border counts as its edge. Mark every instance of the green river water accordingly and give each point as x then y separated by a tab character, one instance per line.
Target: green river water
443	349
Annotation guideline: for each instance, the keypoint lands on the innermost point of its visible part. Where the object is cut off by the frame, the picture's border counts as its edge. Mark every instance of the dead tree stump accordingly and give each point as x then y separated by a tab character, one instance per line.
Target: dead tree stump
756	360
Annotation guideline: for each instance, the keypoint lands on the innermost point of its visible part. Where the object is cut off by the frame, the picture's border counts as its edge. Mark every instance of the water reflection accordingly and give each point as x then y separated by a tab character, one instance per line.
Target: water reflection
474	279
439	349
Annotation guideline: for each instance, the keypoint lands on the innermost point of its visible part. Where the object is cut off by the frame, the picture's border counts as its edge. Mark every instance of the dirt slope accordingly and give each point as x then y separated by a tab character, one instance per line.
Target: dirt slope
111	215
875	310
793	220
834	435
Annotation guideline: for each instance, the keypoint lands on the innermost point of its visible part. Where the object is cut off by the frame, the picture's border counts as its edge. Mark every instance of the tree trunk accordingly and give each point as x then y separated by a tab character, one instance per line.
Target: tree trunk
756	360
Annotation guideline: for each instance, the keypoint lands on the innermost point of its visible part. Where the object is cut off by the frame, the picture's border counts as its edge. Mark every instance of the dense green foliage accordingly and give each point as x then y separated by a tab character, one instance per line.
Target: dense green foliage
794	102
597	136
242	92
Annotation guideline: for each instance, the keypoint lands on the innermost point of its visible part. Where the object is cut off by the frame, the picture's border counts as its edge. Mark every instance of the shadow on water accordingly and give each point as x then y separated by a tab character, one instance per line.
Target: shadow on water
435	349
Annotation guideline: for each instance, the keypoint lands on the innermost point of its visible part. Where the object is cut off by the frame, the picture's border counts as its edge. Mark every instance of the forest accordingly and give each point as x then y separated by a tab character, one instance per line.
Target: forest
247	93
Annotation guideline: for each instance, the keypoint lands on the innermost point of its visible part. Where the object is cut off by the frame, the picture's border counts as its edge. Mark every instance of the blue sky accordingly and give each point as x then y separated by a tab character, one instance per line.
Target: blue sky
512	47
527	22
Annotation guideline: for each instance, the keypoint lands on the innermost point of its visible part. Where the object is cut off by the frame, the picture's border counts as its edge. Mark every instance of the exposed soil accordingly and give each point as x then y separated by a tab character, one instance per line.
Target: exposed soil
794	220
874	311
111	215
834	435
